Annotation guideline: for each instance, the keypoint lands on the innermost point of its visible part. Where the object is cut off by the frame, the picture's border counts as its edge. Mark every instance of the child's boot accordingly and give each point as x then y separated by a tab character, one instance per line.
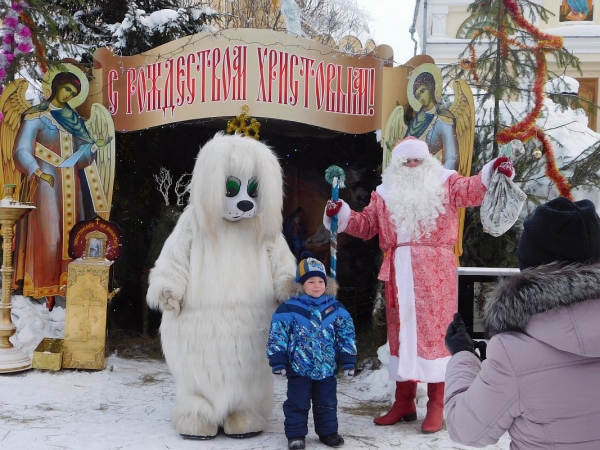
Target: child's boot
296	443
332	440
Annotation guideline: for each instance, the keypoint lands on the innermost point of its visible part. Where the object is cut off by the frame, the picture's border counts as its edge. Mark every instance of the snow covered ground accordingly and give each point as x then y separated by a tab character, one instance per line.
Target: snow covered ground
127	405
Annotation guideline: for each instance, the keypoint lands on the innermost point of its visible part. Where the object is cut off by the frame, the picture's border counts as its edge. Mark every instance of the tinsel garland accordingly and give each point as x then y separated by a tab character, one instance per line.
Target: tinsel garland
470	64
527	128
244	124
334	172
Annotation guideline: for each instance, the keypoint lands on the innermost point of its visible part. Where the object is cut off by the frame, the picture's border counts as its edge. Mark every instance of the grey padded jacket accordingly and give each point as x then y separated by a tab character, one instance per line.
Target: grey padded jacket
541	379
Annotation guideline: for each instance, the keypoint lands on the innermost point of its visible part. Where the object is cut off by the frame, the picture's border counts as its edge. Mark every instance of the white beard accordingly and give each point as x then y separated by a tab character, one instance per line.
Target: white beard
414	196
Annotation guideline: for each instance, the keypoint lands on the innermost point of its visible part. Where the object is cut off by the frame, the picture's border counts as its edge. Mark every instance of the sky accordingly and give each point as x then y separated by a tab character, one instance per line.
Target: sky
126	406
391	22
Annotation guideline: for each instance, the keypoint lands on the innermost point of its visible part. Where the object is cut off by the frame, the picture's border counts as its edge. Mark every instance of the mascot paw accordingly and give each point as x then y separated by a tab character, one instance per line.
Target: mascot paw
168	302
175	305
244	424
193	427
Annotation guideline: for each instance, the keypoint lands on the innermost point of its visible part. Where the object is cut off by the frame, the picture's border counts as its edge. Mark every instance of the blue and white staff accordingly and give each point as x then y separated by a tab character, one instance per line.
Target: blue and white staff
335	176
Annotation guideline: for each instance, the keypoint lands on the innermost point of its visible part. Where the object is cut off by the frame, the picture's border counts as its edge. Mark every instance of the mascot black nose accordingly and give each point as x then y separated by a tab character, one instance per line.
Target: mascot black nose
245	205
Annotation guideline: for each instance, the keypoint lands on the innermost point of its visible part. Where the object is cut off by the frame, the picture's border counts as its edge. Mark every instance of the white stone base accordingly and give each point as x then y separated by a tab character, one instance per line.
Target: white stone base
13	360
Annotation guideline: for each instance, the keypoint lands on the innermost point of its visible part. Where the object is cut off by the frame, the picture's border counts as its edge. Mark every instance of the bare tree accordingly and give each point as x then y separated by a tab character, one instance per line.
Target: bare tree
325	21
263	14
164	179
181	187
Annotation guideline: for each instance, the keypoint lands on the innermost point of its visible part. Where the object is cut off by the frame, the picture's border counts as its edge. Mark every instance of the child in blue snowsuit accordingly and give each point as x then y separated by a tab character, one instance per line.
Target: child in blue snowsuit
311	336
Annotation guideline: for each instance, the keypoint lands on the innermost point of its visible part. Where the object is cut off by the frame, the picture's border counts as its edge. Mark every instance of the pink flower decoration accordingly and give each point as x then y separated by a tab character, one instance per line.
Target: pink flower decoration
2	73
1	115
10	58
24	47
11	22
8	39
25	32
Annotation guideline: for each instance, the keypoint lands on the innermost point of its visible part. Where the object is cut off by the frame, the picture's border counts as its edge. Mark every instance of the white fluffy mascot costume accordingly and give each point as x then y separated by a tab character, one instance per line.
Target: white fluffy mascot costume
218	280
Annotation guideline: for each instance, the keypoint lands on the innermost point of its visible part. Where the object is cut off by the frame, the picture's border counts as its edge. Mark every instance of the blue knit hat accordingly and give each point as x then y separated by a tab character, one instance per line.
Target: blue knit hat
310	267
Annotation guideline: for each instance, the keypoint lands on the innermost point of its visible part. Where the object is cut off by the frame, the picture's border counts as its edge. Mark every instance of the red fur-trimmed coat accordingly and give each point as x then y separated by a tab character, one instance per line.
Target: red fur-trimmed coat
421	282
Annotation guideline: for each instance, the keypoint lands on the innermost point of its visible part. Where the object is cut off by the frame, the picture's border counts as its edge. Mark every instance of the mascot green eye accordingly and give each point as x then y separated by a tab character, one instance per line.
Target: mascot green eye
253	187
232	187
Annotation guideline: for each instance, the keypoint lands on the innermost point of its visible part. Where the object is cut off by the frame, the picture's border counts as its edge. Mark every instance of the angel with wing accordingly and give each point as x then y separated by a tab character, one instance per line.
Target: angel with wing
63	165
449	132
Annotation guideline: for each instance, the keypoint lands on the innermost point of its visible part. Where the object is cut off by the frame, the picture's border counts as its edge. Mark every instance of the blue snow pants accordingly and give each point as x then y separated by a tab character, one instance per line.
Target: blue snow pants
300	392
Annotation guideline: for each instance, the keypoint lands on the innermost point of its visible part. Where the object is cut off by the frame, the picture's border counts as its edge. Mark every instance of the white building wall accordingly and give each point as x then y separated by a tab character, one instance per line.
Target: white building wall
445	18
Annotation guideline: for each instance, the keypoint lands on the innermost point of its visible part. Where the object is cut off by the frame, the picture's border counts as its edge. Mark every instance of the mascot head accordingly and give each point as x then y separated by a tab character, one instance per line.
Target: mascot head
237	179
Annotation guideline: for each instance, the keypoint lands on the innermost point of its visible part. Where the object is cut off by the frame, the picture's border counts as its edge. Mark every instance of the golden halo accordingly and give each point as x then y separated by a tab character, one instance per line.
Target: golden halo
437	76
66	67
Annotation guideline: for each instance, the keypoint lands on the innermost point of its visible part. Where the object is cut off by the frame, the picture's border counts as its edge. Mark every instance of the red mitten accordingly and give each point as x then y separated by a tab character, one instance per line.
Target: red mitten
332	207
505	166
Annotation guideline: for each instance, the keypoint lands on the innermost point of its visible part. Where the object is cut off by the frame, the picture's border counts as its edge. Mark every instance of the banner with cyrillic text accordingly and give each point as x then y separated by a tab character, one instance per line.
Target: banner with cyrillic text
278	75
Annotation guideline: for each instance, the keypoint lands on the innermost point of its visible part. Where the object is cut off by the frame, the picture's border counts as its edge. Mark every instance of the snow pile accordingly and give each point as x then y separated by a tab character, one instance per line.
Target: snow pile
34	322
562	85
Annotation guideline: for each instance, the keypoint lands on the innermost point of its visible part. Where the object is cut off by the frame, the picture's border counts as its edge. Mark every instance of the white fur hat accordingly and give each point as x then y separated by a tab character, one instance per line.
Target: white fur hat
410	147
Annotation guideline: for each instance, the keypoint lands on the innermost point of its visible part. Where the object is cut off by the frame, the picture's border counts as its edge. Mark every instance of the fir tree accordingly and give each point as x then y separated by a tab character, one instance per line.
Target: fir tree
149	24
74	29
32	37
513	62
506	64
92	18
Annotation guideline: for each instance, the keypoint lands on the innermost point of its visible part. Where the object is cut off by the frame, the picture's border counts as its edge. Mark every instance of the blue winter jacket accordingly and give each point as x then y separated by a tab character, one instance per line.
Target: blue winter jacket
312	336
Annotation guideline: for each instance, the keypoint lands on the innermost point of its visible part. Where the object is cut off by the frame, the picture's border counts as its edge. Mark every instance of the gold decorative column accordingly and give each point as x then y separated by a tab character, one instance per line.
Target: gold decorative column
87	304
11	211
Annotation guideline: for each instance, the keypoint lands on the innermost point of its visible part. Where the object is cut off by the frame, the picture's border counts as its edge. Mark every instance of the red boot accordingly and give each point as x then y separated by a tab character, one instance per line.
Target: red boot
404	407
435	408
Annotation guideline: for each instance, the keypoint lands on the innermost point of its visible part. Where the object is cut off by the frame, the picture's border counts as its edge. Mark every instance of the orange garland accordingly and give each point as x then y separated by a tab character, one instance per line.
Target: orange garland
470	64
527	128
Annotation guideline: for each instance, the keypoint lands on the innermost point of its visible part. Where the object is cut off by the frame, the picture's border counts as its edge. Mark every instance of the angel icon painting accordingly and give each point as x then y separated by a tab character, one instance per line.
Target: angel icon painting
61	164
576	10
449	132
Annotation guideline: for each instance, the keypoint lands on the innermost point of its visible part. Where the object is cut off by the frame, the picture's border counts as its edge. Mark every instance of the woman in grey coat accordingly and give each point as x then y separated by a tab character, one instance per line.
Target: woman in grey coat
541	379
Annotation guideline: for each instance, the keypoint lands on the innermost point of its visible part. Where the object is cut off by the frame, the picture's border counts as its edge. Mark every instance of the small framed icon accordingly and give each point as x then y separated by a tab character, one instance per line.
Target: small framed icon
95	247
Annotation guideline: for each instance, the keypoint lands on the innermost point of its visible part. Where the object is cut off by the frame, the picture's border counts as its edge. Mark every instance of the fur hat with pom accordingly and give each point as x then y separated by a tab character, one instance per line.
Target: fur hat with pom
410	148
560	230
